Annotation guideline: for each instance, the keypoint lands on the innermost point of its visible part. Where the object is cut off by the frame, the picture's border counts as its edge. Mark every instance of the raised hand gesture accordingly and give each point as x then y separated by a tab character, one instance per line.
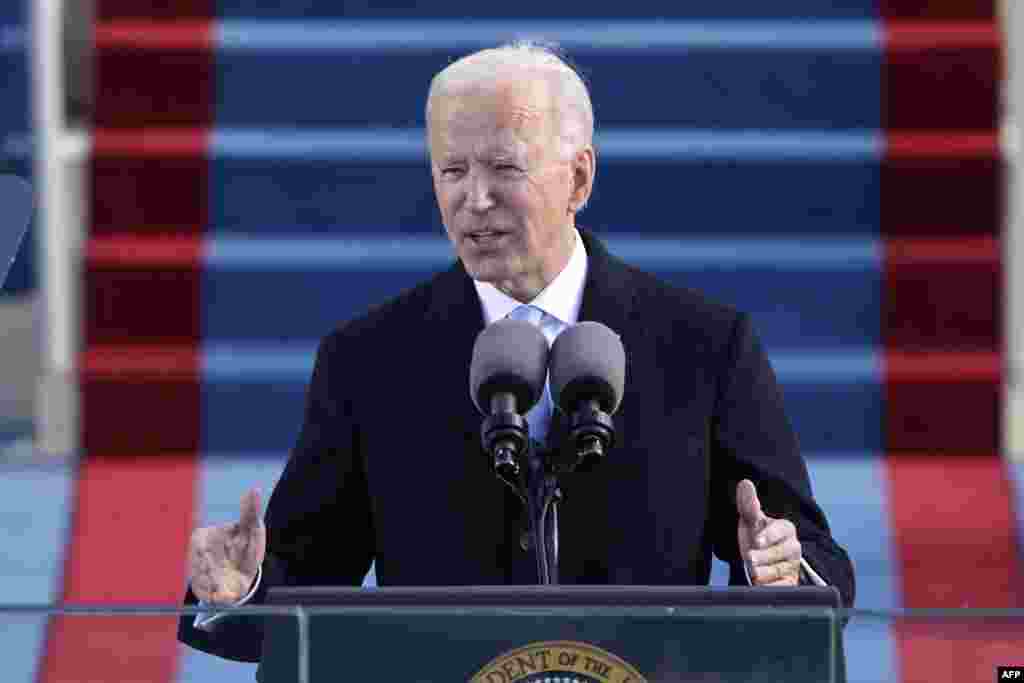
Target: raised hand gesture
224	559
769	546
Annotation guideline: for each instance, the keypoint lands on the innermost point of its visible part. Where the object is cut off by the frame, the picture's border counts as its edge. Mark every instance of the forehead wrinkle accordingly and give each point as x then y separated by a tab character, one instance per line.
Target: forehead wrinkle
488	141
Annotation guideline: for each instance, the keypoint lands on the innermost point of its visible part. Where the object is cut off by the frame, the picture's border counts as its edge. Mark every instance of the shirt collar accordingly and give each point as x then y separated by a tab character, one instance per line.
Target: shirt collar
560	299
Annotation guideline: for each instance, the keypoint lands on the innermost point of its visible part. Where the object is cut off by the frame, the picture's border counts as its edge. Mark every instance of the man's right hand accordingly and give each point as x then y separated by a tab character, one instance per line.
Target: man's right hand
224	559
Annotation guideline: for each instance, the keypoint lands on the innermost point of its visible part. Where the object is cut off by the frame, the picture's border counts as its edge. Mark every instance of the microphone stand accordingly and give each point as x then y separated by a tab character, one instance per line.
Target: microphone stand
542	498
522	467
532	471
583	444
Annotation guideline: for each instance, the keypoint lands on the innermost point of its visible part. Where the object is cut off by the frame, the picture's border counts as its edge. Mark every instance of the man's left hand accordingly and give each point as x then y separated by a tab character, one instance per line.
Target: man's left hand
768	546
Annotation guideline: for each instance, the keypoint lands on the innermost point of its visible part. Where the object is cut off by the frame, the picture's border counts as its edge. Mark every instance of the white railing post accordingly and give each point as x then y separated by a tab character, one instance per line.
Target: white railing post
61	212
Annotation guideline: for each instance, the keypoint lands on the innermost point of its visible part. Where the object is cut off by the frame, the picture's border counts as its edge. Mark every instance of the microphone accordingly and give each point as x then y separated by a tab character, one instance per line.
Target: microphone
588	373
506	378
15	211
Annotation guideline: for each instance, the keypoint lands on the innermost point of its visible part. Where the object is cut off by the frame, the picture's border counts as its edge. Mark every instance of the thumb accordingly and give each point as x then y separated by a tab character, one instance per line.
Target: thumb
250	510
748	504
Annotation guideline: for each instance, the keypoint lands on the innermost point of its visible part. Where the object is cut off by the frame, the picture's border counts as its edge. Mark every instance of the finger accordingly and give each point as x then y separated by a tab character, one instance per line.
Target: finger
775	531
253	550
203	586
206	548
251	507
788	581
789	549
747	504
775	572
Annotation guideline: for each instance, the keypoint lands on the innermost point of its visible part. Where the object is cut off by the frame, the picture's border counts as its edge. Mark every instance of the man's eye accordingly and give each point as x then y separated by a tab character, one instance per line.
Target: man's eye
451	172
508	168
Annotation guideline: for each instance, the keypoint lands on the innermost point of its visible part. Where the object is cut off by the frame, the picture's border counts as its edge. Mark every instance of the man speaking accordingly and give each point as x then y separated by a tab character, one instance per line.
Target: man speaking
388	466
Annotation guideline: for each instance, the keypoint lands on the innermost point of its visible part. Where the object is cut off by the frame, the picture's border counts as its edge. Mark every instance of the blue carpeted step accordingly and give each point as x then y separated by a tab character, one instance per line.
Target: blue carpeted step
698	75
253	398
14	86
35	513
664	181
15	124
330	281
466	10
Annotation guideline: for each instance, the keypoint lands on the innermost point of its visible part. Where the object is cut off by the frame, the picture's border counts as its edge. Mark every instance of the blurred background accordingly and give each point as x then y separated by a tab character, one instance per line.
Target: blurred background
221	182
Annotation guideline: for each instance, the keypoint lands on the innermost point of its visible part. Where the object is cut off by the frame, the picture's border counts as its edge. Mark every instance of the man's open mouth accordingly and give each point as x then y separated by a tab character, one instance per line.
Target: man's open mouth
486	236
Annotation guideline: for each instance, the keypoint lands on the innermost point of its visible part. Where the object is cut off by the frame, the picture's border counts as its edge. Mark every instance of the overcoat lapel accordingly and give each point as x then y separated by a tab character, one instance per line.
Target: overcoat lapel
455	318
608	298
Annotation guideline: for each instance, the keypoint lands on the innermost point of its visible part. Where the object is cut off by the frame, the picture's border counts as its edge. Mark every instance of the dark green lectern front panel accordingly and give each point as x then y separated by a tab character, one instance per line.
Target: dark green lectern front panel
556	645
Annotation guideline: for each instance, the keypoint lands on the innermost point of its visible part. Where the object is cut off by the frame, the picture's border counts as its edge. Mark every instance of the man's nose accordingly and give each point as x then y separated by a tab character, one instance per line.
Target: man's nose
480	197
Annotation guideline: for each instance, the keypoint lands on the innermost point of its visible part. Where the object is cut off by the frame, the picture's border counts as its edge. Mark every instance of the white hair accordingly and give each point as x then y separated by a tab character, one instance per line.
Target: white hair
575	112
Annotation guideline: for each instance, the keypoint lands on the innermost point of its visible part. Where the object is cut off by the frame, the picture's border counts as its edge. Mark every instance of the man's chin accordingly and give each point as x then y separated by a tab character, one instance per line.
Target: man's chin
487	269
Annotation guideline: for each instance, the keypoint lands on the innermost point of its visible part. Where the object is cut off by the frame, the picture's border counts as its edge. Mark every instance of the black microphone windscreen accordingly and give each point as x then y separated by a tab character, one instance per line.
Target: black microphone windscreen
509	356
15	211
588	361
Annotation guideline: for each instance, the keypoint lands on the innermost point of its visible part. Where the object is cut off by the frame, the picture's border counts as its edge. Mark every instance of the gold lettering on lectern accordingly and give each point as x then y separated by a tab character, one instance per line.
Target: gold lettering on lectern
582	662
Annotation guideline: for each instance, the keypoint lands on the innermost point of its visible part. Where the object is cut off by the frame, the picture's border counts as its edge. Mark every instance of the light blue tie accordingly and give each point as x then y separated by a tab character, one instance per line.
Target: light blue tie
539	416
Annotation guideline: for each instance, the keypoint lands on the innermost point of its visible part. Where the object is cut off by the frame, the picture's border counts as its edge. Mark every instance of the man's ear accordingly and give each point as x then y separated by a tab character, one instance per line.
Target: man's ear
584	169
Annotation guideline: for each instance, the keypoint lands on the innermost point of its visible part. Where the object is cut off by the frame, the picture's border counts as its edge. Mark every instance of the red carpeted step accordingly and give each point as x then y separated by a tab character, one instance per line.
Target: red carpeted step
942	184
943	402
925	61
143	291
943	295
131	525
141	398
954	531
150	181
154	74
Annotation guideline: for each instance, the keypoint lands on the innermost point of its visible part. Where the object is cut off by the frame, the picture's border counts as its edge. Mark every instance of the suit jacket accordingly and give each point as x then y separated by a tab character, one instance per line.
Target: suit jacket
389	465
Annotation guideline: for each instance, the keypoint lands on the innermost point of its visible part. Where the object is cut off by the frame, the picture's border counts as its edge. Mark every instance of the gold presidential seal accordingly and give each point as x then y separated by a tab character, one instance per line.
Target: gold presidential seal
562	661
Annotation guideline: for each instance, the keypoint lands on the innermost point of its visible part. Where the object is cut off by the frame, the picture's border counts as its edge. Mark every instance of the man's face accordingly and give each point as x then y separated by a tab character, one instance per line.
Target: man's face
501	185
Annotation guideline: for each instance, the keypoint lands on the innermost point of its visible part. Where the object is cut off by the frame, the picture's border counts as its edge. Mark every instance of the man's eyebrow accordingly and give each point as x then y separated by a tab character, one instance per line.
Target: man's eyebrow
496	154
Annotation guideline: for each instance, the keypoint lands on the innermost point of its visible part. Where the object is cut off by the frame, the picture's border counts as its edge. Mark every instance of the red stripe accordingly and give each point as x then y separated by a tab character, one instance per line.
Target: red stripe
169	248
153	35
943	144
938	35
132	521
901	366
151	142
971	250
146	361
954	534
